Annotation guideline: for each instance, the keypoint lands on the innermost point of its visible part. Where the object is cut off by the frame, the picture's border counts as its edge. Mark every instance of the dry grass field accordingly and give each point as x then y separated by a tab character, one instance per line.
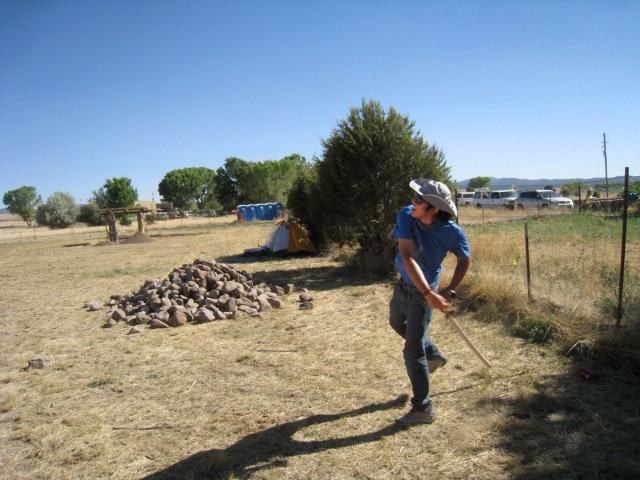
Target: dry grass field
297	394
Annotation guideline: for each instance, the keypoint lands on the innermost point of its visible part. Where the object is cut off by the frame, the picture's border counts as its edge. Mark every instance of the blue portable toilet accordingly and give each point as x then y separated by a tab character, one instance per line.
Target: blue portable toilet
268	211
242	212
260	211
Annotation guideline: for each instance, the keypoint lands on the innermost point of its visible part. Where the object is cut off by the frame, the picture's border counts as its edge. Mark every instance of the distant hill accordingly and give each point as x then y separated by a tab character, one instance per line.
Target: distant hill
4	211
521	183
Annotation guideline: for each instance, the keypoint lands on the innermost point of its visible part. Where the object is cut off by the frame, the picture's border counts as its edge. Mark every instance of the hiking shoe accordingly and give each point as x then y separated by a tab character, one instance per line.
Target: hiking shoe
436	362
417	417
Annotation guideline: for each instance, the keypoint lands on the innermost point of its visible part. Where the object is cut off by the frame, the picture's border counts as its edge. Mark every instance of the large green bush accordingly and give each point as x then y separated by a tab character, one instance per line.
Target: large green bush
90	214
59	211
362	180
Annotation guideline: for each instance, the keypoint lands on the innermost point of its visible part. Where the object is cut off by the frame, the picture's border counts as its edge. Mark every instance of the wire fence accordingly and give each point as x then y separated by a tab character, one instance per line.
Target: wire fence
582	260
13	229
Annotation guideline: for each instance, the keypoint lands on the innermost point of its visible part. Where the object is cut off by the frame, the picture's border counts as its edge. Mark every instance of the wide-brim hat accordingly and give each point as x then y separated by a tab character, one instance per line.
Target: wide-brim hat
435	193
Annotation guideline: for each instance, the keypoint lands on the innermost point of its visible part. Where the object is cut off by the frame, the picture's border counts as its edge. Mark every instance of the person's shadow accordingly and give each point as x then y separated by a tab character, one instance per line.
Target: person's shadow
269	448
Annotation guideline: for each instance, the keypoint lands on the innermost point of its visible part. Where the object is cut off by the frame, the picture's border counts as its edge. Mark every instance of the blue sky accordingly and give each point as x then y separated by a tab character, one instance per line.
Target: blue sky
91	90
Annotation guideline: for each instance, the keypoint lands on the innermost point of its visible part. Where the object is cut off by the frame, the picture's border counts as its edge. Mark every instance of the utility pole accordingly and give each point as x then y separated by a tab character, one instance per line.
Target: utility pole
606	176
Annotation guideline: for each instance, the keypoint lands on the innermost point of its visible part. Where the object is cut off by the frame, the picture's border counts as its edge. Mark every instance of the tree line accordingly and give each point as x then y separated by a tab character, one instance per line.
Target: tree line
348	195
237	182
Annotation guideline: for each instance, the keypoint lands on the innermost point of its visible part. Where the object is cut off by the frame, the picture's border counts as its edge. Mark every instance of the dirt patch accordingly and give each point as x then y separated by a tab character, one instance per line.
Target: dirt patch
104	243
139	237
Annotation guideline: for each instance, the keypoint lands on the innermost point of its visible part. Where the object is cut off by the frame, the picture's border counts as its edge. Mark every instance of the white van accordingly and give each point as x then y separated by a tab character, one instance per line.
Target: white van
465	199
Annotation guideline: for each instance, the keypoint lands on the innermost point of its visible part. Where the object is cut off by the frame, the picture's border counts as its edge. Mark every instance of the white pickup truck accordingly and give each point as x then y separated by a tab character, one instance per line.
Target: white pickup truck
496	199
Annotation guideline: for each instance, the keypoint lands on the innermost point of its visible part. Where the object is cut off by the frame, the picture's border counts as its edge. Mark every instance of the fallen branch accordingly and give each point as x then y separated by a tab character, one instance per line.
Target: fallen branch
149	427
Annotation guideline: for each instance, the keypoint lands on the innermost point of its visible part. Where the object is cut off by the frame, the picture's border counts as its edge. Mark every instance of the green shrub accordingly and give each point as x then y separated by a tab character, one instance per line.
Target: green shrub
151	218
534	329
90	214
125	220
59	211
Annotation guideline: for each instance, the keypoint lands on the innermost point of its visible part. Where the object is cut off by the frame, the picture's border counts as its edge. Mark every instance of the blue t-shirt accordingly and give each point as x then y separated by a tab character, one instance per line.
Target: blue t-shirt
433	242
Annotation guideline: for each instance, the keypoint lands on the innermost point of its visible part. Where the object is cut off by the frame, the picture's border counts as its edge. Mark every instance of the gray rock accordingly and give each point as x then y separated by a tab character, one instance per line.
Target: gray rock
203	291
40	362
205	315
305	297
162	316
177	319
94	305
229	287
155	323
109	323
143	318
276	303
230	305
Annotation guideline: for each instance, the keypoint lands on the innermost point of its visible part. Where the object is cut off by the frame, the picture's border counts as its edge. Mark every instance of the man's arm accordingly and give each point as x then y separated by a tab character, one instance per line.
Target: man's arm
407	249
462	266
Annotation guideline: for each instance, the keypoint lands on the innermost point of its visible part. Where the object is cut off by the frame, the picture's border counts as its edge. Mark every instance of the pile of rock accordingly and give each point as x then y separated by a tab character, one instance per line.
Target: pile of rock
200	292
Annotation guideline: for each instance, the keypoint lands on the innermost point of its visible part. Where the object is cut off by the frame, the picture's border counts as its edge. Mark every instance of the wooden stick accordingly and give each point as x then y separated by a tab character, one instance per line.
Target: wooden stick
149	427
450	316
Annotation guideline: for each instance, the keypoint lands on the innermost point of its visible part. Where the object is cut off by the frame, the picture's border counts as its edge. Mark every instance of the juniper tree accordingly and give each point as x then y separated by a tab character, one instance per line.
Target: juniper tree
363	178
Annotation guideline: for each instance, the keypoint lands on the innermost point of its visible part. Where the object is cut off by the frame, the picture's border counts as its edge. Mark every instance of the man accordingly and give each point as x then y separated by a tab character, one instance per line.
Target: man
426	233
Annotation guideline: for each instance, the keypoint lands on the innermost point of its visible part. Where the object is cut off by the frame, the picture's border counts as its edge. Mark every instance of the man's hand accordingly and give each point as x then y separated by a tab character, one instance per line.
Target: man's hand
448	293
437	301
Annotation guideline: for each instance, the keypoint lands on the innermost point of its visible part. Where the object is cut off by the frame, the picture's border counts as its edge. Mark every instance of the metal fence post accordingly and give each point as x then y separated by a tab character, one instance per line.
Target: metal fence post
625	207
526	247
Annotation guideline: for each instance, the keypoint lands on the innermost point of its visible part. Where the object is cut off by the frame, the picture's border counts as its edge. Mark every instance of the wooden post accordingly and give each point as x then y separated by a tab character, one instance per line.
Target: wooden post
140	222
113	228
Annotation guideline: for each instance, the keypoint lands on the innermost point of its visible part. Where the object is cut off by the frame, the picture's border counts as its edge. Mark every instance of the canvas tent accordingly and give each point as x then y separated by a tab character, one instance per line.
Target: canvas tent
286	238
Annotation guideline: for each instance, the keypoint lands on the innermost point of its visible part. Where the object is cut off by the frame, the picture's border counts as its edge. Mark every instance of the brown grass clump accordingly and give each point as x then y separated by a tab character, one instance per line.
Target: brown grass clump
298	394
572	294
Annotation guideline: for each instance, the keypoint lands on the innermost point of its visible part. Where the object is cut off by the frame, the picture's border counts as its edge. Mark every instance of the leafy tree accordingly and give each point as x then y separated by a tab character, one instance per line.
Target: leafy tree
241	182
363	179
59	211
633	186
281	175
23	201
253	182
90	214
99	197
228	179
119	193
185	186
479	182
